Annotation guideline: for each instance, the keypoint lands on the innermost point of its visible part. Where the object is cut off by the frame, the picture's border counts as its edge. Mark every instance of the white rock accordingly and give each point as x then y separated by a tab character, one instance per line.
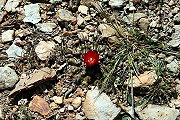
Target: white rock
173	66
156	112
80	20
11	5
116	3
64	15
175	42
14	52
58	100
133	17
99	106
46	27
83	9
8	36
153	23
2	3
106	30
77	102
32	13
176	102
131	6
8	77
44	49
62	110
70	107
58	39
169	59
55	1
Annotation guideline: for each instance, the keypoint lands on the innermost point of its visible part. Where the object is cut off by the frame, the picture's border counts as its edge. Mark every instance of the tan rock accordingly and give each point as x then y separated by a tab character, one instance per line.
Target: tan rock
77	102
8	36
106	30
44	49
145	79
58	100
39	105
83	9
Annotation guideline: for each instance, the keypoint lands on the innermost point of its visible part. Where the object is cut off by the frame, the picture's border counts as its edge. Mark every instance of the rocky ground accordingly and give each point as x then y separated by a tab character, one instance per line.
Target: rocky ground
43	74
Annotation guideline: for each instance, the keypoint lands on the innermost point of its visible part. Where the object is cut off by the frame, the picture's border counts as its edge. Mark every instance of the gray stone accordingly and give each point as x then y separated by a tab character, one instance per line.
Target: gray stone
156	112
8	36
173	66
55	1
11	5
99	106
8	77
175	37
106	30
116	3
46	27
80	20
62	110
32	13
133	17
177	18
14	52
64	15
169	59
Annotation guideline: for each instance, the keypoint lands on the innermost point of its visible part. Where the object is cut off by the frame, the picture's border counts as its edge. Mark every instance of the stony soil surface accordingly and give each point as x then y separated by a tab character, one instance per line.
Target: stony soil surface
45	74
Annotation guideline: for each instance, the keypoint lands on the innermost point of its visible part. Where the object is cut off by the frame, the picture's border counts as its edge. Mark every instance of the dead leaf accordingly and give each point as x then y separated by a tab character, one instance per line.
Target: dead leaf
39	105
33	80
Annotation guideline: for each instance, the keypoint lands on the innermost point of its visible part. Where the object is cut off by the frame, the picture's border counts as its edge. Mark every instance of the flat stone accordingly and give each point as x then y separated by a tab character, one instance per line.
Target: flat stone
145	79
58	100
8	78
106	30
173	66
14	52
39	105
33	80
175	42
64	15
83	9
156	112
44	49
77	102
99	106
7	36
80	20
133	17
116	3
46	27
32	13
11	5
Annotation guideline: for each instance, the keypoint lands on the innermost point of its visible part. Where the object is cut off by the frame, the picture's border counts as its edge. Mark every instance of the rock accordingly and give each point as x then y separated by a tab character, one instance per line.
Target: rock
176	103
133	17
169	59
80	20
32	13
22	102
106	30
175	42
156	112
99	106
14	52
53	105
79	117
58	100
8	78
77	102
161	55
131	6
58	39
83	9
46	27
11	5
154	23
2	3
8	36
175	10
55	1
173	66
33	80
39	105
62	110
144	23
1	113
70	108
116	3
64	15
145	79
44	49
79	92
177	18
2	14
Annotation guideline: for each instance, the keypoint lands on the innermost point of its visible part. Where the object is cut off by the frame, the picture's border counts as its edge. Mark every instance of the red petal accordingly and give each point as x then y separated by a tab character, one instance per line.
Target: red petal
91	58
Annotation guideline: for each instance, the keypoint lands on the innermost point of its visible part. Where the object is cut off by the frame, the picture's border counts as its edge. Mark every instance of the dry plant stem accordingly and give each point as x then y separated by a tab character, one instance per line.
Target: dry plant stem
132	97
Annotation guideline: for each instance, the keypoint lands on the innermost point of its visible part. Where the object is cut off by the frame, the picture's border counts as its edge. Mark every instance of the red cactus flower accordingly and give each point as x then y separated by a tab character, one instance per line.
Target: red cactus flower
91	58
